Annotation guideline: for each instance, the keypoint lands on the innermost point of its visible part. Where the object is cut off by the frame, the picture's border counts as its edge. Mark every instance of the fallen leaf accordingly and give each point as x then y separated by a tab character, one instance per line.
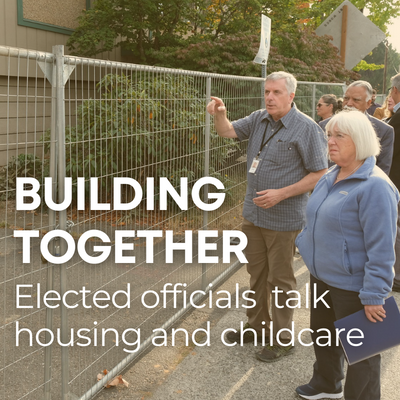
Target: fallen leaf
118	380
101	376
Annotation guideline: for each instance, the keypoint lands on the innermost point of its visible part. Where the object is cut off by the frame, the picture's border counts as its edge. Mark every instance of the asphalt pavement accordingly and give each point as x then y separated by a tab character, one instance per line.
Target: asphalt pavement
214	371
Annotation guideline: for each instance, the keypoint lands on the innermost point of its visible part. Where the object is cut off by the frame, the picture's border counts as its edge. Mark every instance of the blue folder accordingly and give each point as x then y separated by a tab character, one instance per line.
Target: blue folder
378	336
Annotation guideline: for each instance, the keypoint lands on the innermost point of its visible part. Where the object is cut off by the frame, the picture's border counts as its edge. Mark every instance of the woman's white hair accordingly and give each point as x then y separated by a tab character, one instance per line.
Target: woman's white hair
359	128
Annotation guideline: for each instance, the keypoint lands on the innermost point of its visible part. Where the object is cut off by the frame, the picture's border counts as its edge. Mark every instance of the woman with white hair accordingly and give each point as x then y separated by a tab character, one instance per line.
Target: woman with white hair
348	247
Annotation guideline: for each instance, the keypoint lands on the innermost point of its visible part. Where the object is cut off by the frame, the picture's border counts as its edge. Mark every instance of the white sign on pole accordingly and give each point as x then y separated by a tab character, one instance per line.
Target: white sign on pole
362	34
263	51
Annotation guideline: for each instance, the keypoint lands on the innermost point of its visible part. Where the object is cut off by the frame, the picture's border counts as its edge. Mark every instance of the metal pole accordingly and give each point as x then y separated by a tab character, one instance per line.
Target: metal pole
263	75
60	132
385	69
52	225
313	100
207	134
344	35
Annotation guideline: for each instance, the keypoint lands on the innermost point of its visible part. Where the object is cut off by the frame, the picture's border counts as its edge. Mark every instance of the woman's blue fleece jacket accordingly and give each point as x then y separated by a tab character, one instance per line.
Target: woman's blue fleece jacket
348	241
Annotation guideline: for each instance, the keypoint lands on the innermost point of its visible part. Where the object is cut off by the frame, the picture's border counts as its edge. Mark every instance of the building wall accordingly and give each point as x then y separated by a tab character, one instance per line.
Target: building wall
58	13
14	35
25	109
33	25
25	95
25	112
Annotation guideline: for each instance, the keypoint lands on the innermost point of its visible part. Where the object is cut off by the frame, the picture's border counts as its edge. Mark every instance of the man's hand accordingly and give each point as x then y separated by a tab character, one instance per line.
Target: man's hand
269	198
375	313
223	126
216	106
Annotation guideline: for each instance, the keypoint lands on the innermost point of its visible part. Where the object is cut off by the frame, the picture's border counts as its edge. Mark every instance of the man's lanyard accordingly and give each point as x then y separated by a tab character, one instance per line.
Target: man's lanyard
263	144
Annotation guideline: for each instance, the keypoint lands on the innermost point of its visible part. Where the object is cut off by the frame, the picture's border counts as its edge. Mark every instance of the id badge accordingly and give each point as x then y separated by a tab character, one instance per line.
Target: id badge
254	165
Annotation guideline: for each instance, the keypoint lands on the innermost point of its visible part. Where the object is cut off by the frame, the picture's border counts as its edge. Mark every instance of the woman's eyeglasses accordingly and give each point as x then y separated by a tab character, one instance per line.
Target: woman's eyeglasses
321	104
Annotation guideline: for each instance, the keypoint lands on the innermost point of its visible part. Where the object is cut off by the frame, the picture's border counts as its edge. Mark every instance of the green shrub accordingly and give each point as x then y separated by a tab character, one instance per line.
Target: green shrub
24	165
142	128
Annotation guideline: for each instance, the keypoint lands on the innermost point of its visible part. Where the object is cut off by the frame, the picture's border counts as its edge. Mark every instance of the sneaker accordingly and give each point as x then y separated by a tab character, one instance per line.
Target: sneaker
248	336
308	392
274	353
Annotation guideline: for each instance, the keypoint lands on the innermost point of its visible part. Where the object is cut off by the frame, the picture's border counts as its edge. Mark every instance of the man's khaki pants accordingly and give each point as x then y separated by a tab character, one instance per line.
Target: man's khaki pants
270	264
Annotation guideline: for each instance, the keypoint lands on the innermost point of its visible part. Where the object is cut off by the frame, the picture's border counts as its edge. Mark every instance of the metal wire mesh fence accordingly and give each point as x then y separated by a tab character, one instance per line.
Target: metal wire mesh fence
135	143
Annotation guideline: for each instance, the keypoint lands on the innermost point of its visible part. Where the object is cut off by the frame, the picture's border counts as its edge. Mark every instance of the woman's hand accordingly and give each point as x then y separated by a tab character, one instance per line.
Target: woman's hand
375	313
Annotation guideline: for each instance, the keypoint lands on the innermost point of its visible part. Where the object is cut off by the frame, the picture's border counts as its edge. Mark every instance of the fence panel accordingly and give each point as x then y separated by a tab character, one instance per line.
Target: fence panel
25	110
149	125
101	121
308	94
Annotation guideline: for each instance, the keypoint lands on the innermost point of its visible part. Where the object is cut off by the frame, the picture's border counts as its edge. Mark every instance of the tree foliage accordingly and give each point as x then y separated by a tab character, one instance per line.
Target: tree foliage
228	56
179	32
137	24
380	11
135	122
375	77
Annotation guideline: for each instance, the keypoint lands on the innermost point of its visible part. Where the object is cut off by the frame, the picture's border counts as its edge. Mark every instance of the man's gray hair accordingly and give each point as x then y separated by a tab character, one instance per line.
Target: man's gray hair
364	84
290	80
395	80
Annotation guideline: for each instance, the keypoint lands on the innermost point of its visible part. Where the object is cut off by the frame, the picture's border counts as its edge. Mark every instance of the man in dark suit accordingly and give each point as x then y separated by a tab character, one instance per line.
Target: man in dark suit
395	169
359	95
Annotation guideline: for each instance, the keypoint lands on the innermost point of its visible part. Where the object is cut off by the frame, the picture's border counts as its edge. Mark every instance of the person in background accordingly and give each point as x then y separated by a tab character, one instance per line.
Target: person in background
286	156
391	105
373	106
384	112
348	254
395	170
358	96
327	106
340	103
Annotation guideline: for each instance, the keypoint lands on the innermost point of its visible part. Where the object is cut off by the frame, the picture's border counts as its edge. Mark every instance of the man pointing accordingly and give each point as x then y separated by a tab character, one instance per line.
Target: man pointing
286	156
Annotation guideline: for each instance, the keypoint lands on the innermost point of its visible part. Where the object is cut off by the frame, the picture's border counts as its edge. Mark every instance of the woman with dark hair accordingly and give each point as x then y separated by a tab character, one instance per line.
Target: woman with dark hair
327	106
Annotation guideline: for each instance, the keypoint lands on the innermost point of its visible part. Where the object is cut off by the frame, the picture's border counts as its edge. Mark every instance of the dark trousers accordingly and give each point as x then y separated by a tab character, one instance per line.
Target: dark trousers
363	378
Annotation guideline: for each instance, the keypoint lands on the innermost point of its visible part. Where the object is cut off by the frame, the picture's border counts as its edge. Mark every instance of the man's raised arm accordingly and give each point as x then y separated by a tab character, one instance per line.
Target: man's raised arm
223	126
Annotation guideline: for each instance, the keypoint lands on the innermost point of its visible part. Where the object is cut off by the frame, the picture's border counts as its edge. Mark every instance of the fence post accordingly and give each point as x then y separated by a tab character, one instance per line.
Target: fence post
62	218
263	75
52	226
313	101
207	133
